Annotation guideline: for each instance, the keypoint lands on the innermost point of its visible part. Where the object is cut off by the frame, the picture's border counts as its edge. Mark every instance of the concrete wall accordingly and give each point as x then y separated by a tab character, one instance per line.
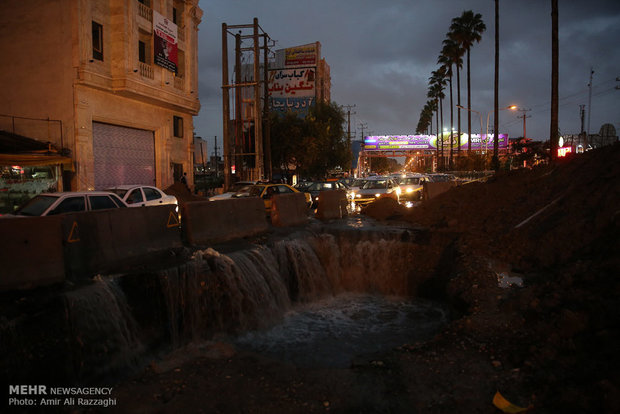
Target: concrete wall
30	252
107	240
207	222
332	205
289	210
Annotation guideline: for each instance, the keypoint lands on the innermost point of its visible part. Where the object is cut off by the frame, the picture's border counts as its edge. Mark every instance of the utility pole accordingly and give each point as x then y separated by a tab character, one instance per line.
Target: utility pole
524	118
226	108
363	125
589	108
216	158
349	107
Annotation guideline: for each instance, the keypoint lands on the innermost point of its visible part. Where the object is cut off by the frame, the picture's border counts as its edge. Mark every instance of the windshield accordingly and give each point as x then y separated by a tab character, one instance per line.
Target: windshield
255	191
322	186
410	181
371	184
358	183
37	205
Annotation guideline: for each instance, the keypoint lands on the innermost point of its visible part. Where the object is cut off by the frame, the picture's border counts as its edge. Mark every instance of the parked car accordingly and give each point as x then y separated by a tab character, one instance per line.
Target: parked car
49	204
239	189
316	187
375	188
142	195
267	191
411	187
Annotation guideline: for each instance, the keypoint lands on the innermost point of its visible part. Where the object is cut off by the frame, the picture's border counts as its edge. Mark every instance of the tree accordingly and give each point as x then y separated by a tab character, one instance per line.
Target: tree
450	55
466	30
324	144
437	81
286	134
553	136
495	161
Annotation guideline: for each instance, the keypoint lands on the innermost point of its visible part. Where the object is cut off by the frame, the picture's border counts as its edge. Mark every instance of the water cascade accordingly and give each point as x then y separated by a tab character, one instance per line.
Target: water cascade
115	322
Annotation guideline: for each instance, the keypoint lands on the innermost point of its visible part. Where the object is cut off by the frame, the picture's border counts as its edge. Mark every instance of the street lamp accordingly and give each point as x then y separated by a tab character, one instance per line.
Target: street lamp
486	137
479	115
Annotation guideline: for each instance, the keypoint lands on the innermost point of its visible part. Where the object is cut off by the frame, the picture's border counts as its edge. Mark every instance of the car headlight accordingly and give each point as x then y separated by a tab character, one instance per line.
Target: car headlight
409	190
358	196
377	195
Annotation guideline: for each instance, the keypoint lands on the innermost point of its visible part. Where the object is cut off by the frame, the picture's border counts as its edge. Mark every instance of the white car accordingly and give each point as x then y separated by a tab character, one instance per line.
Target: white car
375	188
142	195
49	204
239	189
411	187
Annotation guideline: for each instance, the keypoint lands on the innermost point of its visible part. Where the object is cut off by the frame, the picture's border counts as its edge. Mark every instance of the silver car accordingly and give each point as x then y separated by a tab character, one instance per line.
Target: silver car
49	204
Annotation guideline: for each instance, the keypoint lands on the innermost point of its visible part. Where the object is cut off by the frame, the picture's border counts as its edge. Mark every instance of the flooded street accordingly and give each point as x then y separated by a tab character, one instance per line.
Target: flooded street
331	332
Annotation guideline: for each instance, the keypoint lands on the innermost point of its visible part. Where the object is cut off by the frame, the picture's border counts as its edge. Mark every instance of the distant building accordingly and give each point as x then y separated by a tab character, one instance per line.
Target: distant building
581	142
118	78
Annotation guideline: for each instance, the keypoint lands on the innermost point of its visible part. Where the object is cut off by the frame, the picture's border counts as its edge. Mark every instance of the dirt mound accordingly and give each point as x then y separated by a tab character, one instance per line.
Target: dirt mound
556	227
182	193
384	208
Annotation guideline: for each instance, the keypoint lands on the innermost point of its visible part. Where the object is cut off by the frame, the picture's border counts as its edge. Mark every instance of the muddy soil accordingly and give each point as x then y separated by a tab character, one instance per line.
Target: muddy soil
548	342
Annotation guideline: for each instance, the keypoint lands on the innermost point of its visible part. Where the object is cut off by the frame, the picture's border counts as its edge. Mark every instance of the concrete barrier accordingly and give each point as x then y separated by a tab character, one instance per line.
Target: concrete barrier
30	252
289	210
108	240
432	190
208	222
332	205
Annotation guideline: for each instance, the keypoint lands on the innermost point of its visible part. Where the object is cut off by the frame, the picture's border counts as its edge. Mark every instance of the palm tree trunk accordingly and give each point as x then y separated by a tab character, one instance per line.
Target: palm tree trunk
437	132
441	132
553	135
496	105
451	125
458	112
469	107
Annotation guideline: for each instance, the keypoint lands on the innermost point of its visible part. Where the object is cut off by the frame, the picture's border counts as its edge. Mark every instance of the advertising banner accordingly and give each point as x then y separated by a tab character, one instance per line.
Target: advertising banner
165	42
429	142
298	105
292	83
301	55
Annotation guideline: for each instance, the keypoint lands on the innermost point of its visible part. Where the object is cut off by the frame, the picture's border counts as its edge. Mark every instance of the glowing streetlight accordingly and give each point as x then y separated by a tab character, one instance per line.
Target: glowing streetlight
486	137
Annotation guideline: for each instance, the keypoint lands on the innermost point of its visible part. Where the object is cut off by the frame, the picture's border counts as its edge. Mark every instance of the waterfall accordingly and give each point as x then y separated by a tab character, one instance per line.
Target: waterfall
102	330
115	321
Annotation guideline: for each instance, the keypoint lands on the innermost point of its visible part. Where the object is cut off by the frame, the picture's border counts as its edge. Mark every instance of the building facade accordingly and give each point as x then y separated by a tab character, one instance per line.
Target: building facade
119	78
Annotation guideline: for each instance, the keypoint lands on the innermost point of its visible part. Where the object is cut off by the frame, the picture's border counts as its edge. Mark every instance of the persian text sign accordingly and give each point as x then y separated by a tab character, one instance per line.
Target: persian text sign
429	142
165	42
292	83
301	55
297	105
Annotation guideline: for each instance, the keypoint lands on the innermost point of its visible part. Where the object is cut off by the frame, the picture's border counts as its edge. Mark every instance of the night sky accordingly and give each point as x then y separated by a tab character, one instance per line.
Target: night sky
381	54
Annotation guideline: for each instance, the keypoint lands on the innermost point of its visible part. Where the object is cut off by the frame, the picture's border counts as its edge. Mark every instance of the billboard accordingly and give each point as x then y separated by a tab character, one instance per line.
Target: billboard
165	45
292	90
429	142
305	55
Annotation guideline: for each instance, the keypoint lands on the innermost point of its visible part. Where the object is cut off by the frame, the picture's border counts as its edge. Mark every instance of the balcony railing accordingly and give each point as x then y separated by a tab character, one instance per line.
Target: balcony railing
145	12
146	71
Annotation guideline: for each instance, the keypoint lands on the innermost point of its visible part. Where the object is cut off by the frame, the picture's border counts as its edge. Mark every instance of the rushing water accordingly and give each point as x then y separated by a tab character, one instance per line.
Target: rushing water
332	331
311	298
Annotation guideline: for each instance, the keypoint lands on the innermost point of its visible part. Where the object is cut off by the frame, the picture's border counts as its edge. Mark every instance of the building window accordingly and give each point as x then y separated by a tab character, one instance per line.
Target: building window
141	51
178	126
97	41
144	47
147	3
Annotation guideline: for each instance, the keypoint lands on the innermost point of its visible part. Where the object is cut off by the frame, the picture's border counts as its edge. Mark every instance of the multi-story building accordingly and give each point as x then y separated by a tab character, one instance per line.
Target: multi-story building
117	77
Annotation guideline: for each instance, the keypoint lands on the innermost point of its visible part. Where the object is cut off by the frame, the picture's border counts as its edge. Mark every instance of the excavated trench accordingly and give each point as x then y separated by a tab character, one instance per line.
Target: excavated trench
318	297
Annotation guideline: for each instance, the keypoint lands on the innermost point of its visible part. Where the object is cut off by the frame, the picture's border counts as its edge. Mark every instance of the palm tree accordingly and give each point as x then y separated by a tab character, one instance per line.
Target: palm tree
495	161
553	136
451	55
437	81
466	30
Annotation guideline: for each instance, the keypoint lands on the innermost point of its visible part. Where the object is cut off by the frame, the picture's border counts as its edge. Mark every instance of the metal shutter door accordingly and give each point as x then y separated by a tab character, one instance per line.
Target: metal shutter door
123	156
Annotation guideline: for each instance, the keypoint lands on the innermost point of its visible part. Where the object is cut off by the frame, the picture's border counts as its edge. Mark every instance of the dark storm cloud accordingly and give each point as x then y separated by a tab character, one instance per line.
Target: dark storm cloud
381	55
